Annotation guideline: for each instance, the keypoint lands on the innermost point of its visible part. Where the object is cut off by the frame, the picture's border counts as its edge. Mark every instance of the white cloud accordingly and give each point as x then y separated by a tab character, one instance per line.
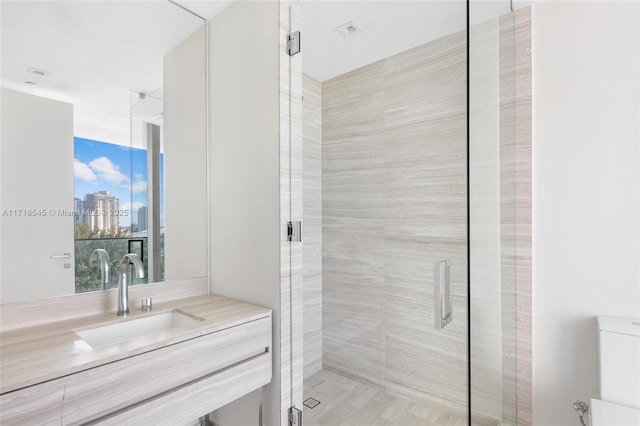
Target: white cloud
132	215
139	186
107	171
132	208
82	171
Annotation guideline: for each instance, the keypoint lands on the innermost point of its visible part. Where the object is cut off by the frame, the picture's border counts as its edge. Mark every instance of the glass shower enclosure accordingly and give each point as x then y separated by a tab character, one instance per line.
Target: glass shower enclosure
400	293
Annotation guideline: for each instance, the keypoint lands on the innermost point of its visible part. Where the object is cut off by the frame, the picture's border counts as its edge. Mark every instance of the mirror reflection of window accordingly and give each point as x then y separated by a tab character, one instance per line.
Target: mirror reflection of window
99	74
110	206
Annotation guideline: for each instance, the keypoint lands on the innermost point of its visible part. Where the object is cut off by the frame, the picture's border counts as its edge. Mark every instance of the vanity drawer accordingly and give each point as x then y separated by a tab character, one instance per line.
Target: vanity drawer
196	399
97	392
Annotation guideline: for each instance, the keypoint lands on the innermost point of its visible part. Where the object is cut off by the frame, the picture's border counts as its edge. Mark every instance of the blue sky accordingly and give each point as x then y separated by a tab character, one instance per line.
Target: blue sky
120	170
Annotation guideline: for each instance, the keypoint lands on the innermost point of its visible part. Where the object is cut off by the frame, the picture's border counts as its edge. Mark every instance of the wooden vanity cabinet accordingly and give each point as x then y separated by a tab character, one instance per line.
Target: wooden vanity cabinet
173	384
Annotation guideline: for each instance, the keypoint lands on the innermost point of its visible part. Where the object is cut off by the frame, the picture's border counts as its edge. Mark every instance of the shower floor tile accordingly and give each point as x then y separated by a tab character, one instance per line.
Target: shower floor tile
346	401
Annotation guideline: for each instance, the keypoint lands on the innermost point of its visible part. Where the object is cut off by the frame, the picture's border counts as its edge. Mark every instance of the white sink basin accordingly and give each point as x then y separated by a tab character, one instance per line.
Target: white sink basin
131	329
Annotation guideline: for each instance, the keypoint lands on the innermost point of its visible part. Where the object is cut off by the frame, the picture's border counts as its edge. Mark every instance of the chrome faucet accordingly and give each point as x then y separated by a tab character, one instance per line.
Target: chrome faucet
123	280
103	256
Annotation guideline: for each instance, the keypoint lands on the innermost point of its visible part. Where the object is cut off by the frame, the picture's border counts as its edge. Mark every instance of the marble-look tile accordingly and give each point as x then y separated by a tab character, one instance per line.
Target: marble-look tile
312	224
425	218
353	223
394	202
486	333
507	215
515	143
345	401
523	230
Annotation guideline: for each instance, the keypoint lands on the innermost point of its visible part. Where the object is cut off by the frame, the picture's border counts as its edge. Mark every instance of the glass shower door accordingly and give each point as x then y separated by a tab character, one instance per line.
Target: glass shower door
384	183
493	206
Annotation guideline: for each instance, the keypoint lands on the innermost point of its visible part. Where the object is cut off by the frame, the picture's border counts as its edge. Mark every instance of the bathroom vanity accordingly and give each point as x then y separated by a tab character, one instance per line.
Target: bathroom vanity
182	360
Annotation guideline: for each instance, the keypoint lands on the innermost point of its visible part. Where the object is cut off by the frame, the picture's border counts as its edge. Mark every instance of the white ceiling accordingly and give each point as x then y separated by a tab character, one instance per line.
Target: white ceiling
389	27
206	8
96	52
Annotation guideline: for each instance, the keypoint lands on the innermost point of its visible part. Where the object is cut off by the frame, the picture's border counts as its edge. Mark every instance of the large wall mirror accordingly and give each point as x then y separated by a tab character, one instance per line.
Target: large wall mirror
103	144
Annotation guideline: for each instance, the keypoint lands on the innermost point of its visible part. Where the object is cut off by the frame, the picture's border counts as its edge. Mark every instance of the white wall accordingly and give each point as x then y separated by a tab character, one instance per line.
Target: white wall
245	171
585	192
37	173
185	148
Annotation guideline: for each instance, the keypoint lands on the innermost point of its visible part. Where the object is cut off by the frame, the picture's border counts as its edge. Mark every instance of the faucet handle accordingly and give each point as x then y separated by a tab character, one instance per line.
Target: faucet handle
146	304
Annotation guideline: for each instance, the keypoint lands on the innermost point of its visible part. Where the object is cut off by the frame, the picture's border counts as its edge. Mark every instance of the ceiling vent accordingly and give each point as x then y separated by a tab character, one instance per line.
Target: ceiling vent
38	72
348	29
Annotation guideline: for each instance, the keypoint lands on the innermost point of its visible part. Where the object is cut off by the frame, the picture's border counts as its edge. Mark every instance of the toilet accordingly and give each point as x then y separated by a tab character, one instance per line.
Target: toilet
619	365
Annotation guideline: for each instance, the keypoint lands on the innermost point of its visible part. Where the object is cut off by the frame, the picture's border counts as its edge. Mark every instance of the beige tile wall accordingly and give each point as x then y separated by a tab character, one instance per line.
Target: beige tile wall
312	222
515	170
394	202
507	215
353	177
484	191
523	177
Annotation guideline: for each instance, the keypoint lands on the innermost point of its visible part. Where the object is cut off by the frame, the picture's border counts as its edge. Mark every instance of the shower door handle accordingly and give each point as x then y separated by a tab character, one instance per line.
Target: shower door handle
442	294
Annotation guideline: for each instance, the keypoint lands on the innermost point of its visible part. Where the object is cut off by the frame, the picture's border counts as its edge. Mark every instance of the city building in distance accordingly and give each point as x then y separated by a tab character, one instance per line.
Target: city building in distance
99	211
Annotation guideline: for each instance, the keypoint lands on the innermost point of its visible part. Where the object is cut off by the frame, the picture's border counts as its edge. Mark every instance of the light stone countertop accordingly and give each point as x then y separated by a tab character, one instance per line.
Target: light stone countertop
32	355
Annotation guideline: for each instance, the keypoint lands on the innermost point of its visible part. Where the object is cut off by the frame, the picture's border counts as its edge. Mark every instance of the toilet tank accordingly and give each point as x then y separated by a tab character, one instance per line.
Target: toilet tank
619	347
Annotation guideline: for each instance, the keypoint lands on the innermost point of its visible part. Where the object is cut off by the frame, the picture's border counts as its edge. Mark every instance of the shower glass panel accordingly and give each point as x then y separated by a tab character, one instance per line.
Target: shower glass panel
384	184
492	195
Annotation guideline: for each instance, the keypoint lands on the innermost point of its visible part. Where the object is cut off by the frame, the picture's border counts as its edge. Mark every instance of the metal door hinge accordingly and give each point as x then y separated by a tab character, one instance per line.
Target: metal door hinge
294	231
295	417
293	43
